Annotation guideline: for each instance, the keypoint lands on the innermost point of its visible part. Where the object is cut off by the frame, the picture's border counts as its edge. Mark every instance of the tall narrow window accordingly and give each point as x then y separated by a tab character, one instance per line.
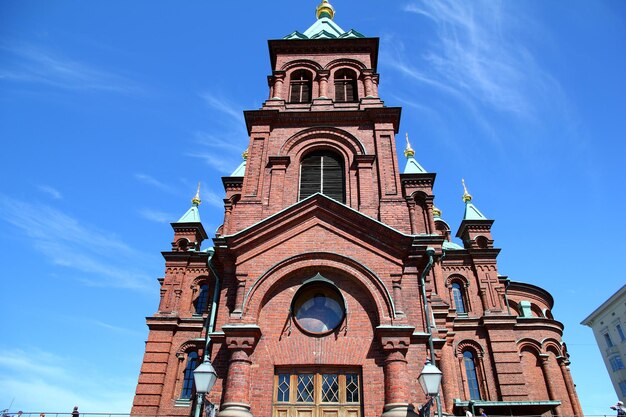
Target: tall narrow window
457	295
620	332
345	86
607	339
202	302
300	87
472	377
322	172
192	362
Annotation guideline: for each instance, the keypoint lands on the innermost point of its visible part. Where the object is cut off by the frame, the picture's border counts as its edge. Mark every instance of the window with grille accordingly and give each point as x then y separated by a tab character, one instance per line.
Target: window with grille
471	374
322	172
192	363
457	295
345	86
319	387
202	302
300	85
616	363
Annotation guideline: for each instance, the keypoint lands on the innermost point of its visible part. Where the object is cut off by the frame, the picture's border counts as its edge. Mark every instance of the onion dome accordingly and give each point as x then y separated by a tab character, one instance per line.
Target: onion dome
325	9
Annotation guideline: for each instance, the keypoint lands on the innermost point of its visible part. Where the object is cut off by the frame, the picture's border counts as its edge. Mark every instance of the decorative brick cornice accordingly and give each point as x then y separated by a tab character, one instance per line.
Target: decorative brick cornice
241	337
395	337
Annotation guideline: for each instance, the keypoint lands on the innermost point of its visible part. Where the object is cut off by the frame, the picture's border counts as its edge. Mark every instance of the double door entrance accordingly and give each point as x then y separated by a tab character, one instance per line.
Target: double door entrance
325	392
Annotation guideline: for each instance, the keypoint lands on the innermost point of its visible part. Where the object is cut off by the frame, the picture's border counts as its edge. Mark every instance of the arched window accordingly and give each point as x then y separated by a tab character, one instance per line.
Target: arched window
457	295
345	86
322	172
202	302
300	87
192	363
472	376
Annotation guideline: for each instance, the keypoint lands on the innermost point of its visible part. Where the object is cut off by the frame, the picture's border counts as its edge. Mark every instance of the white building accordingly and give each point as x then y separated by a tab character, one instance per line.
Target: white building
609	326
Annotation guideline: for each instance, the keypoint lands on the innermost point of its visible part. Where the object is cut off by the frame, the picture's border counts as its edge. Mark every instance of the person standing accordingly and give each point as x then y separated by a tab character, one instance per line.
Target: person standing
619	407
468	413
481	412
75	412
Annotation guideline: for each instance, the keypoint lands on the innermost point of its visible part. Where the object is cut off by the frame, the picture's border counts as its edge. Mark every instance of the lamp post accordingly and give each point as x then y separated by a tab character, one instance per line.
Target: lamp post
204	377
430	380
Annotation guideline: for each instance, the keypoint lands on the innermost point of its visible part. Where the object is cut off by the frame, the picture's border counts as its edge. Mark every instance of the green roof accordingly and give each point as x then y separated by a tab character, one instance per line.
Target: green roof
240	171
191	216
472	213
413	167
324	28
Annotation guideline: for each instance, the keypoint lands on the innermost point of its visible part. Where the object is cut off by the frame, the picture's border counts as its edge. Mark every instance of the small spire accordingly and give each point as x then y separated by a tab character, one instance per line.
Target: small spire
408	152
325	9
196	199
466	196
436	212
244	155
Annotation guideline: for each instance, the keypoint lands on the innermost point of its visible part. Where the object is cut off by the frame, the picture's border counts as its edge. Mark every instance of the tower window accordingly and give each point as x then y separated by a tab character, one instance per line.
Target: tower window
620	332
345	86
472	376
457	295
607	339
300	87
322	172
202	302
192	362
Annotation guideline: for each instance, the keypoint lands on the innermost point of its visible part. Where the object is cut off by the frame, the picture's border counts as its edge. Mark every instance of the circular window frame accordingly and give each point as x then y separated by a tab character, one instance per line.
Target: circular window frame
325	286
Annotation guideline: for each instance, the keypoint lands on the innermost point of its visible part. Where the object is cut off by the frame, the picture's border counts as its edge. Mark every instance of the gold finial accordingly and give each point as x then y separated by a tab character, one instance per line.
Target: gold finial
436	212
408	152
466	196
196	199
325	9
244	155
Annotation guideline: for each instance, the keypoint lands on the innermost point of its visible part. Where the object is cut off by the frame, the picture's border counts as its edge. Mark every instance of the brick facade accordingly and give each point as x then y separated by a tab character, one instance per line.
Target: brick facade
373	249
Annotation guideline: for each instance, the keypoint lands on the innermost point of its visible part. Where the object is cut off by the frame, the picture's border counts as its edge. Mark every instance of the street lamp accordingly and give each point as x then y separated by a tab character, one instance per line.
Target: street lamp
204	377
430	379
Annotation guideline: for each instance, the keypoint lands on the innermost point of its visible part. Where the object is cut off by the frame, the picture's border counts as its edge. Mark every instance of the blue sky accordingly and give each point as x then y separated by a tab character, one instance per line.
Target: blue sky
110	112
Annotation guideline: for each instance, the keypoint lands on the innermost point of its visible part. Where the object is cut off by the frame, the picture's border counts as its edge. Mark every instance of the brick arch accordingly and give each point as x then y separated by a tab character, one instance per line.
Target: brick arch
345	63
530	345
473	345
200	279
188	346
552	345
337	139
301	64
367	280
456	277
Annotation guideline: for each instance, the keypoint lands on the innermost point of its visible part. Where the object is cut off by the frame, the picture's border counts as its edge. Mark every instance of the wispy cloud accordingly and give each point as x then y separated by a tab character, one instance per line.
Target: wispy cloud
477	57
28	63
223	105
102	258
216	160
51	191
230	143
149	180
156	215
60	382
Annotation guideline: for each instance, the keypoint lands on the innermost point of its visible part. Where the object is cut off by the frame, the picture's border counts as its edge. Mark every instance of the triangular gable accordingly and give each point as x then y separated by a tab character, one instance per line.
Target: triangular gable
324	25
328	211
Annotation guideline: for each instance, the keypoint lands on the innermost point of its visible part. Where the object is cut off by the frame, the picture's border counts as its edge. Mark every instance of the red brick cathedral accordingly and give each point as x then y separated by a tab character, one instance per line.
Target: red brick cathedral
334	277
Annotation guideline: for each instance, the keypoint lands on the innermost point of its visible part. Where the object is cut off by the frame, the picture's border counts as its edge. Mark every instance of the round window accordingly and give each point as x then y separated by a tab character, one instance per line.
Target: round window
318	308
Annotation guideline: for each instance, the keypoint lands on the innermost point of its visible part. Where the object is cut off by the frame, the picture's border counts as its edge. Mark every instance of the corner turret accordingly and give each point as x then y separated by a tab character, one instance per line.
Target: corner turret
188	230
475	229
